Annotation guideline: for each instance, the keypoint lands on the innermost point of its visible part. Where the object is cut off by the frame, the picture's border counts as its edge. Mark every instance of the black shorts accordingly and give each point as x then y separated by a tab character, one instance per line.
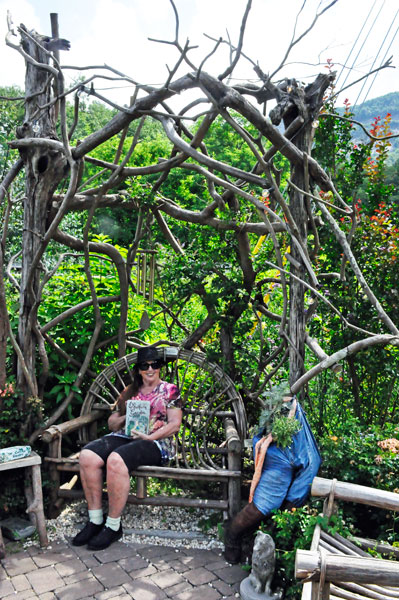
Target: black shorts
133	452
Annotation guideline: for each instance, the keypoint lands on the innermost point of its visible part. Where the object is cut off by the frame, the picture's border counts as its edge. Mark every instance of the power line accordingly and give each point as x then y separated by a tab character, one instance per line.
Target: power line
364	41
384	58
353	46
375	60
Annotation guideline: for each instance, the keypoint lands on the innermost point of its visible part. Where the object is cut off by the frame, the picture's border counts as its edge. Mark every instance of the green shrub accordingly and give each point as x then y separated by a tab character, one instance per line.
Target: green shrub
292	530
369	457
356	454
11	419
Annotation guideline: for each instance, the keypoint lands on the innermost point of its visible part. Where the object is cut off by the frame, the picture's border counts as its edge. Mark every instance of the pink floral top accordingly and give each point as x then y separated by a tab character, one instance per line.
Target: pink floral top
164	396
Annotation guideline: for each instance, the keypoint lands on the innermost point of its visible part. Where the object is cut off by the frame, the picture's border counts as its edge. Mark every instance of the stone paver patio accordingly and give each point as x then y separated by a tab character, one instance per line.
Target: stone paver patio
122	571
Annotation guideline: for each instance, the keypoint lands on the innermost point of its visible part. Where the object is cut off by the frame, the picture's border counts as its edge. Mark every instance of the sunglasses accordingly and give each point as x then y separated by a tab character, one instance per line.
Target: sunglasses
144	366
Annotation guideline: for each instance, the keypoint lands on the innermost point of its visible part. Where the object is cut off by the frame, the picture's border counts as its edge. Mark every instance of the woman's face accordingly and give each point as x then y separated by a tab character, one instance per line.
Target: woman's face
149	371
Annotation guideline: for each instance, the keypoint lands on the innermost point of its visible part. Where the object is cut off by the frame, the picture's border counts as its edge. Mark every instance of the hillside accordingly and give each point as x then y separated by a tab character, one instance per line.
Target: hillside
379	107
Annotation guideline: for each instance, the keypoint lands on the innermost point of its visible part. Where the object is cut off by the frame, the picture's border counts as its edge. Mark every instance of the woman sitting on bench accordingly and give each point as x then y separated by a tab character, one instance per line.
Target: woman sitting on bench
119	453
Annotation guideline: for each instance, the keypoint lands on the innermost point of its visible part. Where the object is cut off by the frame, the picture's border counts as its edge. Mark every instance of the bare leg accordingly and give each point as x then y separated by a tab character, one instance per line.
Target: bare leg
91	476
118	484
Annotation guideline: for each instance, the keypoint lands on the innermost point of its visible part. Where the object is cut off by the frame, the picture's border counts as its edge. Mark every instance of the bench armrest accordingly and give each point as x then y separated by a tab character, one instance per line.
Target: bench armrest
232	438
54	431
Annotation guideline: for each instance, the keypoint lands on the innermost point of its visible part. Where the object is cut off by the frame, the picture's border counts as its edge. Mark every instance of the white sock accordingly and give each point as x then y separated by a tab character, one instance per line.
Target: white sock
113	523
96	516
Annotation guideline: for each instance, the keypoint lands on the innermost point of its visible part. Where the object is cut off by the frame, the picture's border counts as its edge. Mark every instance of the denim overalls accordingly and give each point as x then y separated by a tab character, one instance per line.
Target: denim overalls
287	473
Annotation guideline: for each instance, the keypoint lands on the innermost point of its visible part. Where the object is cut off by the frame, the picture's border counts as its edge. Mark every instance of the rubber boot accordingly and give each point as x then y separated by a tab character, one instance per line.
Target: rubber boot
244	522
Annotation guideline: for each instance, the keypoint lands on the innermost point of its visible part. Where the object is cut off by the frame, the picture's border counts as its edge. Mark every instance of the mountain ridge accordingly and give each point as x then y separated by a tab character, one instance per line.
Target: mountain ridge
380	106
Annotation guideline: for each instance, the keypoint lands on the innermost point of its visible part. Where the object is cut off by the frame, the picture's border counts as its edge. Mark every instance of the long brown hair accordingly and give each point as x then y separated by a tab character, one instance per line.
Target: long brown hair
130	391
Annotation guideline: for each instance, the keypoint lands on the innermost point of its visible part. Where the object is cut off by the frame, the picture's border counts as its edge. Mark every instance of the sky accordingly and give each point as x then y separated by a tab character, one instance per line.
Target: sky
115	32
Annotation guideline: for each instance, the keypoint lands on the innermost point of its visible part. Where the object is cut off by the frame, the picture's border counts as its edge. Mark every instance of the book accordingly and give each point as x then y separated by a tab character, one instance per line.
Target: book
14	453
137	416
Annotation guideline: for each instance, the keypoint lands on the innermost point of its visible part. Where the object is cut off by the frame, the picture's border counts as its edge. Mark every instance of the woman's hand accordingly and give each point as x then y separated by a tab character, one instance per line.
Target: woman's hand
171	426
139	435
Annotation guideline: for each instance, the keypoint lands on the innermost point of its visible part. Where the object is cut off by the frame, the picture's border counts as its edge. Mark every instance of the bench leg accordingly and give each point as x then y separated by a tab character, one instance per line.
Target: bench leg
55	503
36	506
2	546
234	484
141	487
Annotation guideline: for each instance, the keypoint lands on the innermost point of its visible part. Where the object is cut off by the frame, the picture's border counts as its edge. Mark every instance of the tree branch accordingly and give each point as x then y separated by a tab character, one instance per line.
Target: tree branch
75	309
348	120
355	267
238	50
294	42
376	340
9	178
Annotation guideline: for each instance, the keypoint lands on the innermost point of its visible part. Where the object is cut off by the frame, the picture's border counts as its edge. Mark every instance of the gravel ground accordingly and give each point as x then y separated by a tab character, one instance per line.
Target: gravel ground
179	527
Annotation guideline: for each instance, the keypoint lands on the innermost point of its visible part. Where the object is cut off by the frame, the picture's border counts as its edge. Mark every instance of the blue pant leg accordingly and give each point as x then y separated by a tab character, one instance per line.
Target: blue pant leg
299	490
307	462
274	482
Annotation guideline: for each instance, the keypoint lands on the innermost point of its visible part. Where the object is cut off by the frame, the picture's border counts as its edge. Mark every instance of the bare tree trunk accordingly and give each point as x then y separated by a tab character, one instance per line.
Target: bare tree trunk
4	325
304	103
44	168
297	322
289	109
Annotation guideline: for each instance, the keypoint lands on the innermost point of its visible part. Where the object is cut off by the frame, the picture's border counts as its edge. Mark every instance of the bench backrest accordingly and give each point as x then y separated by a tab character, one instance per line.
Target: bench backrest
209	398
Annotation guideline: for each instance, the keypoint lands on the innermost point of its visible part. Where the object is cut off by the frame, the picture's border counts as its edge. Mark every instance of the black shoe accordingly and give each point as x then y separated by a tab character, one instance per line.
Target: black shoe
105	538
88	532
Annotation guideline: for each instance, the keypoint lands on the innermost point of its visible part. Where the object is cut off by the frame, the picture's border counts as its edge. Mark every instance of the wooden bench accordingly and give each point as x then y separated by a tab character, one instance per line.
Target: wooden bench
210	440
335	567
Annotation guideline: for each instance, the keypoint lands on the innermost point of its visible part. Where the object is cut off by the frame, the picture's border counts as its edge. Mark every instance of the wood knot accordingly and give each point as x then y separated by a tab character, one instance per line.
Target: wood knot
24	130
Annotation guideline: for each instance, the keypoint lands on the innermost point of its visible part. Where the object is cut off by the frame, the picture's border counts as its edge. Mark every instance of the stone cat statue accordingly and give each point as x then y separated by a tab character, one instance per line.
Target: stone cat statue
263	562
257	586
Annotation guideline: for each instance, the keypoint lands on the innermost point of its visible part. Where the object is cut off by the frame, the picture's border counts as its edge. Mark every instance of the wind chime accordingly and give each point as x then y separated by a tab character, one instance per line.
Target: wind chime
145	263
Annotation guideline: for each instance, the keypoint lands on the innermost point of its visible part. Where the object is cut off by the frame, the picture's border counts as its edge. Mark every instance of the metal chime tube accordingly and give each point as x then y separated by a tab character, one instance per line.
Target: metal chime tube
152	279
144	274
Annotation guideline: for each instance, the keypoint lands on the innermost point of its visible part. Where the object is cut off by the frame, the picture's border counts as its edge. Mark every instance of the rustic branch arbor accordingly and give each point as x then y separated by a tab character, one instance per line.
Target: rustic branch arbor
294	213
